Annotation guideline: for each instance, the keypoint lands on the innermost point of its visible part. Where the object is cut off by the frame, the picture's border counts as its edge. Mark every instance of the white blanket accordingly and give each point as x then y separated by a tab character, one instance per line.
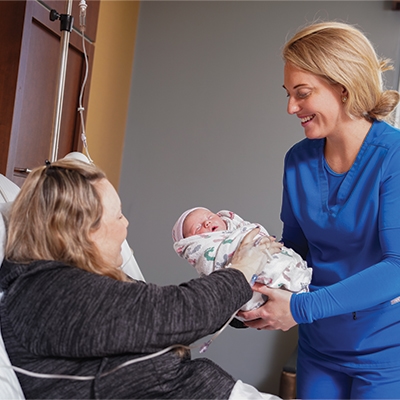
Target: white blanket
214	250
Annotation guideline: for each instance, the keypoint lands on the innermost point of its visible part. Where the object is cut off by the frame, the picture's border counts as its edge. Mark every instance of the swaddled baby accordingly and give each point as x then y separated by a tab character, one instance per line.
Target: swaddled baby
208	241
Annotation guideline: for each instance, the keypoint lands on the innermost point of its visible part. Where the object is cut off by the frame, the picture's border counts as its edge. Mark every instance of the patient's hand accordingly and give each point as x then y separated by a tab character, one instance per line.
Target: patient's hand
252	254
274	314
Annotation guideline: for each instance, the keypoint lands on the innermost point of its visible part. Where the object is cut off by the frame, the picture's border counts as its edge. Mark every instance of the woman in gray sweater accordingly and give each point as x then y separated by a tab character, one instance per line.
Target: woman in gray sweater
68	309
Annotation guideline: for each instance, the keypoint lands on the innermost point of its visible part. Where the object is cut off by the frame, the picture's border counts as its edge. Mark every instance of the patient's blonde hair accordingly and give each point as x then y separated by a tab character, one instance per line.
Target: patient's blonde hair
342	54
53	215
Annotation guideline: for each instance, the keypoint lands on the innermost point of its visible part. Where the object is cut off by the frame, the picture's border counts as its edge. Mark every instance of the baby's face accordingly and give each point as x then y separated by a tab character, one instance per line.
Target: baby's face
202	221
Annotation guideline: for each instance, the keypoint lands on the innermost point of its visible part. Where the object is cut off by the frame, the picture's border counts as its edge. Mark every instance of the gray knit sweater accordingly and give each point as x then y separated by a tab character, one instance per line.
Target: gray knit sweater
59	319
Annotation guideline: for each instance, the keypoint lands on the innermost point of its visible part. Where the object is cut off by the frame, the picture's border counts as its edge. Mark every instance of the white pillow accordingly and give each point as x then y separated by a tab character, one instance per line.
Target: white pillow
9	384
8	190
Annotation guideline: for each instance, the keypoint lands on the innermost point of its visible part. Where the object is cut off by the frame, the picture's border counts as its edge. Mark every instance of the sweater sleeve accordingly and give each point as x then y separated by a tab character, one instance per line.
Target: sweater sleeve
79	314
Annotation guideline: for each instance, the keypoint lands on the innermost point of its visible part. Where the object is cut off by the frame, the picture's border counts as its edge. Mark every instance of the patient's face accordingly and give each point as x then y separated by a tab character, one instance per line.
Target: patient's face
113	226
202	221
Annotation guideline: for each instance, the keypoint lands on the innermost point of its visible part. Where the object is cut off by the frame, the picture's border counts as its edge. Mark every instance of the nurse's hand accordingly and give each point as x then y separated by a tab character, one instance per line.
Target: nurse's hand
274	314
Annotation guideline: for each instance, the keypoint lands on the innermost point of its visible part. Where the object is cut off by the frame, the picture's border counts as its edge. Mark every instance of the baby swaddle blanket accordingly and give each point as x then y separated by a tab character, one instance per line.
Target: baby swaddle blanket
214	250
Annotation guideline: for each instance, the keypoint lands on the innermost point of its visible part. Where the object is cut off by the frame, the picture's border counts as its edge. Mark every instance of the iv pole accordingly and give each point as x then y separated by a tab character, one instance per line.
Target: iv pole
66	22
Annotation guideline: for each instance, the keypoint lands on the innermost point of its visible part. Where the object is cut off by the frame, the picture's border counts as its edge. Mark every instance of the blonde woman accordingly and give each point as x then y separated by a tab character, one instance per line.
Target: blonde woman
74	325
340	213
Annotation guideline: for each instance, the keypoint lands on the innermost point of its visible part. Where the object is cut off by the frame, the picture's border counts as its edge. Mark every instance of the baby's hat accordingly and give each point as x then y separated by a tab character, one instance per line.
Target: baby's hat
177	230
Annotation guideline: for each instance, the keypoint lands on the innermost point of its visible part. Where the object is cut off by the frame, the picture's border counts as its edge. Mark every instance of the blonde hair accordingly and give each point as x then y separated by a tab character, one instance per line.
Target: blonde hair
54	214
342	54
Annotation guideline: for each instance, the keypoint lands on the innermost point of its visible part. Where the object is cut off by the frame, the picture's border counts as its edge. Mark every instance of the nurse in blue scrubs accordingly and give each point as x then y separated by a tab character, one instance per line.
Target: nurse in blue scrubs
341	212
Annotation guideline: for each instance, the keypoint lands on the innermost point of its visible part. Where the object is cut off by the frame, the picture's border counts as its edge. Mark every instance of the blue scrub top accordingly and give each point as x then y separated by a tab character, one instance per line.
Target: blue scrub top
350	235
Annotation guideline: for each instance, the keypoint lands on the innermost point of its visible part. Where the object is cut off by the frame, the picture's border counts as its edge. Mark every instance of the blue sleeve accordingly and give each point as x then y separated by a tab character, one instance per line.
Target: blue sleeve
374	285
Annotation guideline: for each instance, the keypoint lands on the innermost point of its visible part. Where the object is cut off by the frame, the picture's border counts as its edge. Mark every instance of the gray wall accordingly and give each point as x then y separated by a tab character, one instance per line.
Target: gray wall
208	126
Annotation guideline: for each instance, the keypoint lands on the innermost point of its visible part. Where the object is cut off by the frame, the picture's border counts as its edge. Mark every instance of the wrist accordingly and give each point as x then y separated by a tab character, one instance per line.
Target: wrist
247	272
